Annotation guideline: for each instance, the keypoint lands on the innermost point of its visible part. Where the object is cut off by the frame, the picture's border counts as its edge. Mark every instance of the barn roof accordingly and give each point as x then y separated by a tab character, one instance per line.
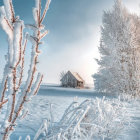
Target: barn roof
77	76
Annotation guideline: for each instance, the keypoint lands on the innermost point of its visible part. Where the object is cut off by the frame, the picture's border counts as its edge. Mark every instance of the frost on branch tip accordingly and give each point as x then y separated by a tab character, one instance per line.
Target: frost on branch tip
9	10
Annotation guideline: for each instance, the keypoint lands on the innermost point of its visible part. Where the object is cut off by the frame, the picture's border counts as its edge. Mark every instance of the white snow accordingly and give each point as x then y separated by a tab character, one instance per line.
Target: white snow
60	99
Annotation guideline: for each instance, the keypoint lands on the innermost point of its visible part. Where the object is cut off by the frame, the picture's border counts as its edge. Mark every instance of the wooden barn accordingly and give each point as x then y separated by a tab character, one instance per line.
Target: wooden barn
72	79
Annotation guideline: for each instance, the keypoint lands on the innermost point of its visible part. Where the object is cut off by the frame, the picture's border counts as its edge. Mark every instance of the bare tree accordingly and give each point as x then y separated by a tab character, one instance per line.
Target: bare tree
11	95
62	74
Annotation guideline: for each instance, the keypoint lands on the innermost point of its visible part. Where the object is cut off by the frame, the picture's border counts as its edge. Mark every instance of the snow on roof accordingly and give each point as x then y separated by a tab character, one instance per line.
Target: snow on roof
77	76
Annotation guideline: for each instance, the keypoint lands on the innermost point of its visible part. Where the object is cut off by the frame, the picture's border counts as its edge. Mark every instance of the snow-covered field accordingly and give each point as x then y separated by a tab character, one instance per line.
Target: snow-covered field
60	98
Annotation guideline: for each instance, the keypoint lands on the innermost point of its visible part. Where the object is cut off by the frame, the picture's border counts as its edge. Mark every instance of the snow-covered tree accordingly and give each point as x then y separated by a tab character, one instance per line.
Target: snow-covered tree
13	98
120	54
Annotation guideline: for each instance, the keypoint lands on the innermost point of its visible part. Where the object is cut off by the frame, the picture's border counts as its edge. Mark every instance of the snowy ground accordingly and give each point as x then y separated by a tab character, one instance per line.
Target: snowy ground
61	98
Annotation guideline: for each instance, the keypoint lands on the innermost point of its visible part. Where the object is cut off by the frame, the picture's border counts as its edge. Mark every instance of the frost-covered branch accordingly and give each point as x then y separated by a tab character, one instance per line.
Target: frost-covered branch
3	102
11	94
97	119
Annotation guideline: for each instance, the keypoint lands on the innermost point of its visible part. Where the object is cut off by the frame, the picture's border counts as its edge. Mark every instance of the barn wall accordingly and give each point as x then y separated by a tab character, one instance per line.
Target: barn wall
69	80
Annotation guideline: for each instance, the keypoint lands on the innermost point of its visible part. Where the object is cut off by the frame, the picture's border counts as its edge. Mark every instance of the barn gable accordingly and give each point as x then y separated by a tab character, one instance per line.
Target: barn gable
72	79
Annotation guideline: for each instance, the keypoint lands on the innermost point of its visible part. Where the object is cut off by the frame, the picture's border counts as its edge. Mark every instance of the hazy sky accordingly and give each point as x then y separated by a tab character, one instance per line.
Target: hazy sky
74	33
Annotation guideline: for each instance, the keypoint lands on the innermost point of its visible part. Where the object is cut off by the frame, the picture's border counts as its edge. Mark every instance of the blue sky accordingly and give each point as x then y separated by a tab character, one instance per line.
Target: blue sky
73	39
